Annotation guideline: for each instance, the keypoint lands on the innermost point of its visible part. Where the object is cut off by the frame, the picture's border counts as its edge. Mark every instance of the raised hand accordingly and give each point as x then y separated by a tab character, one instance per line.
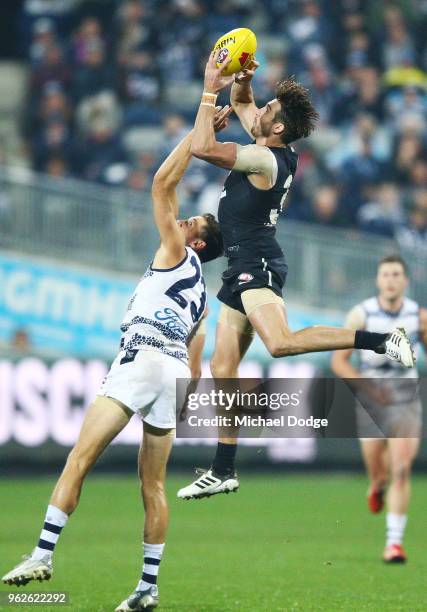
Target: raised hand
221	117
246	75
214	79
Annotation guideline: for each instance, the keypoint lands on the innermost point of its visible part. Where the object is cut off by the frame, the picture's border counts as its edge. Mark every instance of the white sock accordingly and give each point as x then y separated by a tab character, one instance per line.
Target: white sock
152	557
54	521
396	524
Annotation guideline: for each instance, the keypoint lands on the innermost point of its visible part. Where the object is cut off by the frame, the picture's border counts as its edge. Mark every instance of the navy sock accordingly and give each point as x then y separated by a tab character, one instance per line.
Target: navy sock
368	340
223	463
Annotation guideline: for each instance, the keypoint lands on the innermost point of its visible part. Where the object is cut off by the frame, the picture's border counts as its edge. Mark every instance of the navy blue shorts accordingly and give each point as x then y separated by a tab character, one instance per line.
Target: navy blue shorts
251	274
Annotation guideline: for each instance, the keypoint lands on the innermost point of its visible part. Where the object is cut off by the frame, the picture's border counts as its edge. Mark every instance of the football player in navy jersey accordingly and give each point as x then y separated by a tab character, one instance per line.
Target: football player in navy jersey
253	196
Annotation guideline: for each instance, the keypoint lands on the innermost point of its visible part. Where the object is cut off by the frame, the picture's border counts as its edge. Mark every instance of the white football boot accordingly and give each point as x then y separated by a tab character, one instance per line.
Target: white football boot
397	347
30	569
209	483
140	600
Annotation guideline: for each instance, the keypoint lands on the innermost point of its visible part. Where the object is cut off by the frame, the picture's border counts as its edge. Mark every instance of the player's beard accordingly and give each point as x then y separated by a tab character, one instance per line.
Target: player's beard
260	130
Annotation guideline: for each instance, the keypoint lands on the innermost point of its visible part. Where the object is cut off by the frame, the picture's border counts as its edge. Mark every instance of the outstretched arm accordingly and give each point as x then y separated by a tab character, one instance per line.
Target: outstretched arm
165	200
250	159
242	97
165	204
204	144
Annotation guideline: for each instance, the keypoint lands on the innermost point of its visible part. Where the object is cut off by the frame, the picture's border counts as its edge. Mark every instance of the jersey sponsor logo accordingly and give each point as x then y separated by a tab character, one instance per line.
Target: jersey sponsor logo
244	277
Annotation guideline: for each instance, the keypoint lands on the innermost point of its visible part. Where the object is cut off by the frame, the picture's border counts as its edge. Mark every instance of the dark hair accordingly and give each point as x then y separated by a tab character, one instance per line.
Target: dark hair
394	259
297	112
212	236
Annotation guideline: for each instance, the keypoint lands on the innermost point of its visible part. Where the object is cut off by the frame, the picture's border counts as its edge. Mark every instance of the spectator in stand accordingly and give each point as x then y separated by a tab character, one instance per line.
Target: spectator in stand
93	78
325	207
407	103
101	149
94	75
51	68
54	139
88	34
412	236
408	149
320	82
365	96
54	105
418	173
59	12
359	174
398	48
57	166
44	36
174	129
384	214
311	26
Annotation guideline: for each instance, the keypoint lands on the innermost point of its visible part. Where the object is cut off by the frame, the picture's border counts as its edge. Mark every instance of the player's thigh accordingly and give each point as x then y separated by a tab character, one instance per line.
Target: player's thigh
104	420
154	453
402	452
234	335
267	313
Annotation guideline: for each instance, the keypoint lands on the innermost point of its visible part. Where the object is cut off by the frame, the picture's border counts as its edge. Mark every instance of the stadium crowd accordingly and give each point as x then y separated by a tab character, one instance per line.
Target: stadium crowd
113	85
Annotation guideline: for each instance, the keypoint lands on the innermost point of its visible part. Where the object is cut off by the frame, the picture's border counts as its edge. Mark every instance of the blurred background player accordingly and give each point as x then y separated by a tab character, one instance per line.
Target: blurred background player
388	459
253	197
162	318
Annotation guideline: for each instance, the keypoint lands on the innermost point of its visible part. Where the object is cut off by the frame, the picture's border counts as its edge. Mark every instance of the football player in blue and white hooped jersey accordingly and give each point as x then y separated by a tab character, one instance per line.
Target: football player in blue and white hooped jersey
389	458
163	314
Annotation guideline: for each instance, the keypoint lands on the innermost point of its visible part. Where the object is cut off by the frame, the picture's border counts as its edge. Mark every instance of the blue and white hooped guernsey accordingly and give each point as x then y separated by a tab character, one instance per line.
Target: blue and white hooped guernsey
164	308
382	321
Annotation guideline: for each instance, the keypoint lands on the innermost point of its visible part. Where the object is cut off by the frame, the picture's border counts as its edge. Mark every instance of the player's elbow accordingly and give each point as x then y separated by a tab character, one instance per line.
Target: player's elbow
199	151
163	183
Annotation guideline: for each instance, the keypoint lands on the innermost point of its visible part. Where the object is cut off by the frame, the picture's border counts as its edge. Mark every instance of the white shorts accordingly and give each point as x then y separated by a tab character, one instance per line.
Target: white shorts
394	421
147	386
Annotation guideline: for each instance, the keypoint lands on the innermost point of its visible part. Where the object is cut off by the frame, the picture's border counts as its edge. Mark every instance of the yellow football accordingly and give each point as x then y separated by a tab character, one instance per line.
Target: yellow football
240	45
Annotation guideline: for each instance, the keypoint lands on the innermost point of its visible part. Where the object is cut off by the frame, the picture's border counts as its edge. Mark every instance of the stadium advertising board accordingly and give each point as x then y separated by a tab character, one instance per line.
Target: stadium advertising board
43	404
78	311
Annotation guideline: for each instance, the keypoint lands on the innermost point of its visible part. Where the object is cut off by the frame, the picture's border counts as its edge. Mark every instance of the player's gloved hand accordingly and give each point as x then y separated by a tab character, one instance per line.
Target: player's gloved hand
221	117
214	79
246	75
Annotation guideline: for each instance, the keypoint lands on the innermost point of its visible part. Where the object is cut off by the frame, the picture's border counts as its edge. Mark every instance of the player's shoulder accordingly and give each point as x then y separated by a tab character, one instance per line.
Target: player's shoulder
356	317
370	306
286	156
411	306
192	257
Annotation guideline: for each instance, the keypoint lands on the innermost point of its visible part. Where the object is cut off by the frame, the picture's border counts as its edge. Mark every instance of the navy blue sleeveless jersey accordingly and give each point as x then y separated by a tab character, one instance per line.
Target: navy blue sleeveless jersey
248	215
248	218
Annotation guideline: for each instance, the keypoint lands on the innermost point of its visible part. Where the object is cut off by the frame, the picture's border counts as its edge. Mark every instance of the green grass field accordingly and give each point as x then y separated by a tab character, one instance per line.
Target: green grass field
291	543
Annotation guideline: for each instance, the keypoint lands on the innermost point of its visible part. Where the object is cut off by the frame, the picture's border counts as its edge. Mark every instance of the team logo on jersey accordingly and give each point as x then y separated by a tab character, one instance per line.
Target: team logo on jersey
170	318
245	277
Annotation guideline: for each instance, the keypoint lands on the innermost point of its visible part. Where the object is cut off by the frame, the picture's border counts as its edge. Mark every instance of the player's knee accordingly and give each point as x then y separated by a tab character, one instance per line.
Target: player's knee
401	472
78	464
281	346
221	369
153	491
